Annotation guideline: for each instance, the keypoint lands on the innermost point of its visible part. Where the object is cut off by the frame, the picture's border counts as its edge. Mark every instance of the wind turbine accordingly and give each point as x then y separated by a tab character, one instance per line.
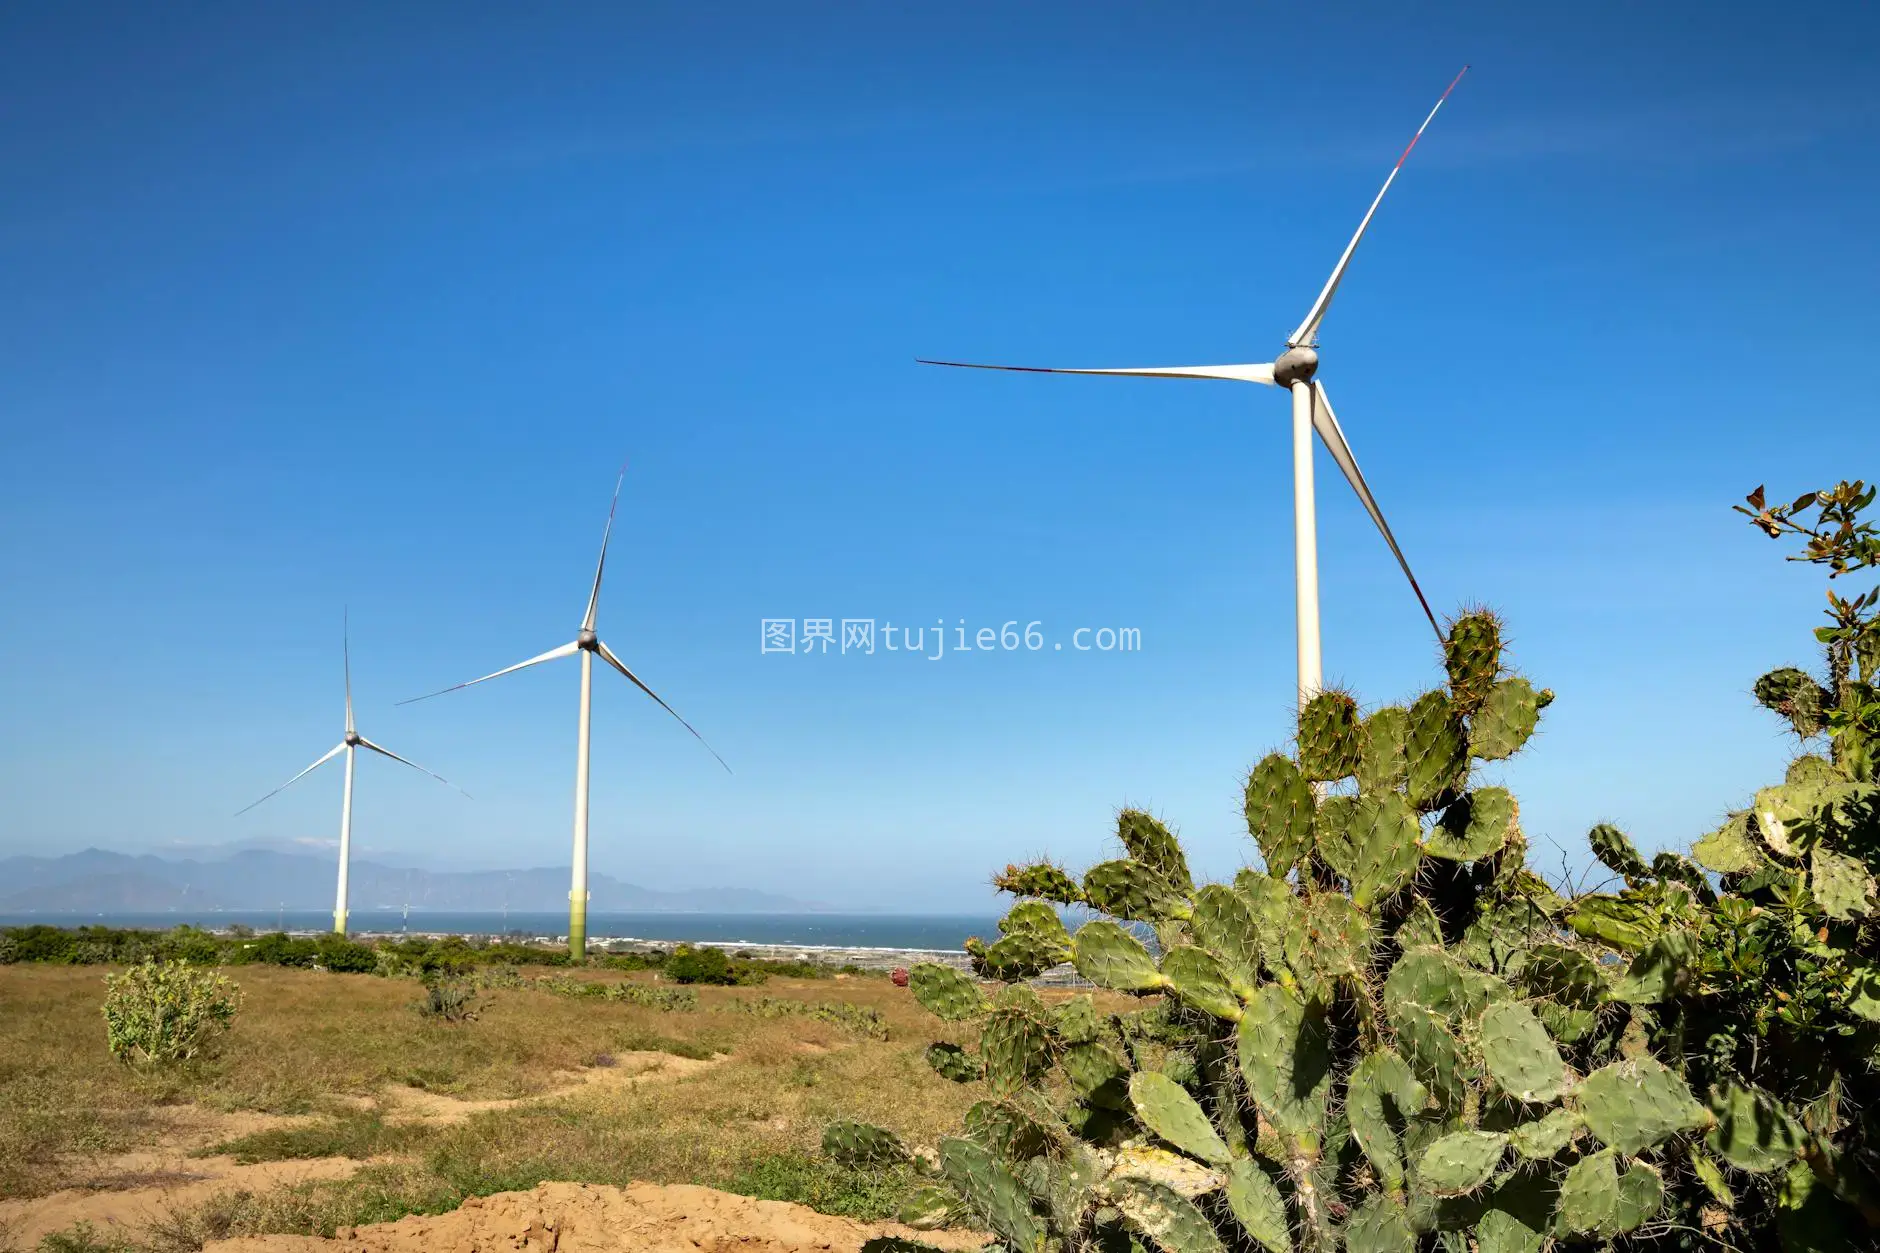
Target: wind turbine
1295	370
348	745
588	644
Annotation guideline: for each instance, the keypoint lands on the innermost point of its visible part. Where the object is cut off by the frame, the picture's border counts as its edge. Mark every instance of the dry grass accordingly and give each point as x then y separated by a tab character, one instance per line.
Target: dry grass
304	1038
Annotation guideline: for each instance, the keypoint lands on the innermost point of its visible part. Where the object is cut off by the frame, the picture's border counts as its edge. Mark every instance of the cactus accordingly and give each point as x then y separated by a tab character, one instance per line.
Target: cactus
945	992
1153	845
1507	717
1164	1107
1436	751
1329	738
1111	957
1518	1054
1461	1161
1132	890
1042	880
1615	852
1472	657
1381	765
950	1061
1398	1037
1636	1105
859	1144
1279	809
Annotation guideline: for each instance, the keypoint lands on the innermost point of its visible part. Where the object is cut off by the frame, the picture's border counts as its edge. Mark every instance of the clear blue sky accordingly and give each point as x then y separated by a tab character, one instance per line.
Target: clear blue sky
313	306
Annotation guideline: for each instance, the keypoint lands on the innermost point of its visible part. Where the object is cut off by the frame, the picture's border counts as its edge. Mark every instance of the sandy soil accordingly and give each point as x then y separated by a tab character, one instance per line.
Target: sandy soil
127	1191
578	1218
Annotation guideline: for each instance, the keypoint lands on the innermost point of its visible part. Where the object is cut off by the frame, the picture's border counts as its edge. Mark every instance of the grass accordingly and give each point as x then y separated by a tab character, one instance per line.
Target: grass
750	1123
359	1134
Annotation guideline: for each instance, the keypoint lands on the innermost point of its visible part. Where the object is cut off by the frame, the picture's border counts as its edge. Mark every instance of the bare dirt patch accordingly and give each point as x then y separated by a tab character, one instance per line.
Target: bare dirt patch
125	1211
577	1218
624	1071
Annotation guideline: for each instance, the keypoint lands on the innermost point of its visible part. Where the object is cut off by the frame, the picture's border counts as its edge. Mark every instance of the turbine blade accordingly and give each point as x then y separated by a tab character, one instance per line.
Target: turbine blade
1327	426
331	753
607	654
1309	329
594	597
386	752
1251	373
345	652
566	650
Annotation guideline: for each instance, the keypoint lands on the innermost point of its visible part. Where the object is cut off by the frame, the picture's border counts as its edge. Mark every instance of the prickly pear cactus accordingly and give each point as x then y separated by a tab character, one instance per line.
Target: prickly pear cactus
1390	1036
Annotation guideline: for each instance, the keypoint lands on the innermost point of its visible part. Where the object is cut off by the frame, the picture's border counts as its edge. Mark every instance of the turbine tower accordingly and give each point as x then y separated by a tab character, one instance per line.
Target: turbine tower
589	645
1296	370
351	742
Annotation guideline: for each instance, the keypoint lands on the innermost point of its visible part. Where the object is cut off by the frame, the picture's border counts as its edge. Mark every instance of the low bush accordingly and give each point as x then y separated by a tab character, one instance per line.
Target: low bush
448	1000
699	965
860	1019
160	1013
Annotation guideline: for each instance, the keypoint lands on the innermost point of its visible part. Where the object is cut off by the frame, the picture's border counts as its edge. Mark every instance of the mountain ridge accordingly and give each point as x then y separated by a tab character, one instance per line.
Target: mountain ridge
256	878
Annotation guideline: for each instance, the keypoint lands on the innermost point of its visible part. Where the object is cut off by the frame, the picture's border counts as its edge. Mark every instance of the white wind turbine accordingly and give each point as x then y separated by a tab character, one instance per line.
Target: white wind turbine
348	744
1312	410
588	644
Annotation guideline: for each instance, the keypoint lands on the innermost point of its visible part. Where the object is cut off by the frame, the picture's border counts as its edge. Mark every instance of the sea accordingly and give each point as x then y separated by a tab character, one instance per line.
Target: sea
939	932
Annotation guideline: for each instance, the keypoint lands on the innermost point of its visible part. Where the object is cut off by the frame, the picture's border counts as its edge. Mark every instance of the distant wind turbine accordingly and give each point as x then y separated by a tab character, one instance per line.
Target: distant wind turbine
353	740
588	644
1311	410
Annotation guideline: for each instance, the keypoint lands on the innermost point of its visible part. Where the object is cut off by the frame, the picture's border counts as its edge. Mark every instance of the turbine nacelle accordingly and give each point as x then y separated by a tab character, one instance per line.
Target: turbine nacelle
1296	365
353	739
587	641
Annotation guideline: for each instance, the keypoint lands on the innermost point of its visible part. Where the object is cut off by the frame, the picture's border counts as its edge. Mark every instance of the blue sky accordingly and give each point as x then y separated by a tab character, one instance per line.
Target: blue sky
363	305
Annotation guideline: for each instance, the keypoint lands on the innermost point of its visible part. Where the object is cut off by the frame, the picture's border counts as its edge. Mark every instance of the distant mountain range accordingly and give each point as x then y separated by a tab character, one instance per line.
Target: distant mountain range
255	878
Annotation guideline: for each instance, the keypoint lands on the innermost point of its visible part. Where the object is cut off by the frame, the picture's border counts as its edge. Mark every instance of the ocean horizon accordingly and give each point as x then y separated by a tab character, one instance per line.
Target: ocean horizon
940	932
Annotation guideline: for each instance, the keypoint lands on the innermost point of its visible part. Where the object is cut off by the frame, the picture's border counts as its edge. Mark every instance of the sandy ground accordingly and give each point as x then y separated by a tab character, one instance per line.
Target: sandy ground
128	1191
579	1218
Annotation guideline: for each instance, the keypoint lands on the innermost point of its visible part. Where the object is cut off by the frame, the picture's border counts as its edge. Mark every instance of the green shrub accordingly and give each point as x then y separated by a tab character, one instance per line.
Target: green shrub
859	1019
699	965
868	1194
159	1013
451	999
337	953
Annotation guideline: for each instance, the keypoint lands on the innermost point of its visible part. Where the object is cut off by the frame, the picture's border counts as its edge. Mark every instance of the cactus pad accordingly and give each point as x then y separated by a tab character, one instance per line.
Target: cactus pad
1474	825
1223	924
1589	1192
1155	846
1420	928
1015	1047
1077	1021
1286	1059
1370	839
1461	1161
928	1207
1258	1207
1615	852
1436	754
1432	1050
1636	1104
1097	1074
1731	848
1752	1132
1165	1108
1132	890
1840	884
860	1144
1042	880
1329	738
1007	1129
1279	806
1327	939
1272	903
1382	1096
1166	1217
1112	958
1545	1136
1199	980
1797	697
1472	657
1502	724
1379	1226
992	1192
945	992
1381	754
1519	1055
950	1061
